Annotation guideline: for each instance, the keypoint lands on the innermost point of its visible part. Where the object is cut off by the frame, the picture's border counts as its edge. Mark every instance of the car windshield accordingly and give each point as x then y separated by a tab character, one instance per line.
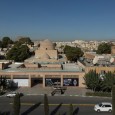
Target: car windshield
100	104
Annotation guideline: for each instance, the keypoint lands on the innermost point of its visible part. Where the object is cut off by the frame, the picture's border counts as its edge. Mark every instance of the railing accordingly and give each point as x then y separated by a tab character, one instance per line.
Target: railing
60	89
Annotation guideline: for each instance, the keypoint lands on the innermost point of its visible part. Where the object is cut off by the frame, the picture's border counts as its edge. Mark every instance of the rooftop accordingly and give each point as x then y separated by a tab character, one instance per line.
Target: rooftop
101	62
71	67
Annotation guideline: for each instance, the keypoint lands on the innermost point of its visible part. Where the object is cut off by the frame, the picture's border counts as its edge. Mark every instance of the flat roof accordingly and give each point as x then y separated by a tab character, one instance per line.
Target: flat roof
65	68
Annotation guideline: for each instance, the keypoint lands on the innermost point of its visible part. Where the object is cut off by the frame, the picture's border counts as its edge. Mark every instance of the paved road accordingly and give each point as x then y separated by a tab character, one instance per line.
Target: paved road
33	105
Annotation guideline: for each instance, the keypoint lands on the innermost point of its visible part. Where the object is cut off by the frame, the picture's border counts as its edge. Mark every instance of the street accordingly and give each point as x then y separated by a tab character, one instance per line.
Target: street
34	105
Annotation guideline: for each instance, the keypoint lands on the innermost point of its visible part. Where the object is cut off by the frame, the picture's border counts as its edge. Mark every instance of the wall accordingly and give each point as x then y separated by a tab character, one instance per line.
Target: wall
113	50
51	53
99	69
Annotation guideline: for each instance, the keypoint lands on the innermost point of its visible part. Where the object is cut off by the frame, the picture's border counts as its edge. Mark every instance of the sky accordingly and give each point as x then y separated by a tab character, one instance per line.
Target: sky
58	20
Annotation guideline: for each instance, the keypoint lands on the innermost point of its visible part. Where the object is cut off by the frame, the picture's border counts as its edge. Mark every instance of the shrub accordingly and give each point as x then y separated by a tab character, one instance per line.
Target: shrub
102	94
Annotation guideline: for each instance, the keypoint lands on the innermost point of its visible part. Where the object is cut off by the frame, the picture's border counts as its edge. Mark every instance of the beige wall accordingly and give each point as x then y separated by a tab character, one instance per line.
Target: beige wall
113	50
1	65
89	55
99	69
51	53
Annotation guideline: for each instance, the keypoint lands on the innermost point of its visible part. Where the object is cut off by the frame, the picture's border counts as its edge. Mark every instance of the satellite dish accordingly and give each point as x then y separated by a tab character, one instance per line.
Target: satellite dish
112	60
95	60
81	58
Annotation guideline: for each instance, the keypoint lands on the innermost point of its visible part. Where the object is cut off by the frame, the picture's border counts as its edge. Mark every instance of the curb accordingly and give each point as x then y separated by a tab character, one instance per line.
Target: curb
29	94
67	95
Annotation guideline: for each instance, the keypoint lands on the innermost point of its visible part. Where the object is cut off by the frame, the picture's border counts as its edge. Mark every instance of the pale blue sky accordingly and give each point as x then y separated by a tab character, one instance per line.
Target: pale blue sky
58	19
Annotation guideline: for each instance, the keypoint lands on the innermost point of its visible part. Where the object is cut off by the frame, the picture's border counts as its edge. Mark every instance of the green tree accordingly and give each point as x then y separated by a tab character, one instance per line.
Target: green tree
46	105
108	81
19	53
73	53
16	104
113	100
104	48
70	109
6	41
25	40
92	80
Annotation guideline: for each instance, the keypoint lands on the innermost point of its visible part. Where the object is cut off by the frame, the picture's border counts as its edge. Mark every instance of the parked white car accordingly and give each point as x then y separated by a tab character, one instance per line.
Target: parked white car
13	94
104	106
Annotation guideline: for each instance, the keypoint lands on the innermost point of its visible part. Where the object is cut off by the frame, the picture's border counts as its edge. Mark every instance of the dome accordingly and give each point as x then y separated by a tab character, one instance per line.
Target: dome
45	56
46	45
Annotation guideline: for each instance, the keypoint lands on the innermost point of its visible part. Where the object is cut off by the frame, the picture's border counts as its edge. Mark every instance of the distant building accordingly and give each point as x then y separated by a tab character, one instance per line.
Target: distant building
100	63
46	53
113	50
46	50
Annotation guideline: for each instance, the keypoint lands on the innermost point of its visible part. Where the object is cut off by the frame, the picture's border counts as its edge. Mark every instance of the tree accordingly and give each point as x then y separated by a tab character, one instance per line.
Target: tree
46	106
108	81
16	104
70	109
96	83
92	80
104	48
73	53
6	41
19	52
113	100
25	40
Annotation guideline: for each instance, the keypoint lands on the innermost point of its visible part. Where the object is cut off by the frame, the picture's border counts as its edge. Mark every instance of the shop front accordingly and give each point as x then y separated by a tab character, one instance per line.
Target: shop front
52	80
70	80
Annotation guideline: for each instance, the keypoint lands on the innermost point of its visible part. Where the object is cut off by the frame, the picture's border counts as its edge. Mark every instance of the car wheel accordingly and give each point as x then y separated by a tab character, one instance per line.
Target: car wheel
110	110
98	110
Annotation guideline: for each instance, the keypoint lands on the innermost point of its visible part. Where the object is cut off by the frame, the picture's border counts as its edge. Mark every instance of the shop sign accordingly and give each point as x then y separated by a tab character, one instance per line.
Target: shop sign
70	81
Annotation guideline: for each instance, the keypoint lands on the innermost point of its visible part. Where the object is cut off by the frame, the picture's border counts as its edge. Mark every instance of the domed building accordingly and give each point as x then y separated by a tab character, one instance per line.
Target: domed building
45	56
46	50
46	45
46	53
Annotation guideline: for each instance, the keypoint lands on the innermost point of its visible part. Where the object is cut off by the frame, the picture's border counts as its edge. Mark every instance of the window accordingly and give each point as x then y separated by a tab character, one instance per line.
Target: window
107	105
